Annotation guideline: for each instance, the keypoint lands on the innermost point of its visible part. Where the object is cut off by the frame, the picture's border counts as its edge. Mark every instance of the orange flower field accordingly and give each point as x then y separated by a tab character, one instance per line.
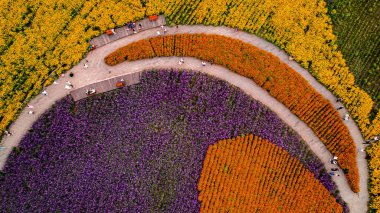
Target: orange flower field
267	71
243	174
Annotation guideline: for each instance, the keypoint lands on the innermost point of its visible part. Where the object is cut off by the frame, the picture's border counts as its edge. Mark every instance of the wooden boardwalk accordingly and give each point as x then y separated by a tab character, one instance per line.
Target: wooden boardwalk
105	85
123	32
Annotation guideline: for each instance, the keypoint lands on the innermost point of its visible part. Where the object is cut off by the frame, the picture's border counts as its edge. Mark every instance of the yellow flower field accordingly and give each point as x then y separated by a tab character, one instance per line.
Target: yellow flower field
43	36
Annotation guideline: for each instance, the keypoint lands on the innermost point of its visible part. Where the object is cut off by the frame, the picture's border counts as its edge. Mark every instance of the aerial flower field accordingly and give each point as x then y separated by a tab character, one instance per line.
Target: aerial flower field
43	37
267	71
140	148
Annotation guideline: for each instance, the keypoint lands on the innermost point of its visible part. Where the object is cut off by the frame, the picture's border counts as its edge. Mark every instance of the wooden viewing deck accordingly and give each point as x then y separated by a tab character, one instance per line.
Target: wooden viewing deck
123	32
105	85
129	79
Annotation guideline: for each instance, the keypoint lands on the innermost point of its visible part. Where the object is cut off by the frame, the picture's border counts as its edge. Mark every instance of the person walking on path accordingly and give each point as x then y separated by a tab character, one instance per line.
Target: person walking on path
90	91
203	63
68	85
181	61
8	133
44	93
376	138
346	117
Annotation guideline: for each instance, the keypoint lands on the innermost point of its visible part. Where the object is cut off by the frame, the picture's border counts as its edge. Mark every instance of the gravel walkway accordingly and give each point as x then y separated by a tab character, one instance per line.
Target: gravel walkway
97	71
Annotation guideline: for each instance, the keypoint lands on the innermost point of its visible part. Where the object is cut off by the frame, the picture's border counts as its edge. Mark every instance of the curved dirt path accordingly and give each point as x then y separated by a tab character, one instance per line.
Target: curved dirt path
98	71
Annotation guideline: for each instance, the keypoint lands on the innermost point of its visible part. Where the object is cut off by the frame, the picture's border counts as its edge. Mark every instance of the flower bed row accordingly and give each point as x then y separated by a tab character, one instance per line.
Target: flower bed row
139	148
250	174
267	71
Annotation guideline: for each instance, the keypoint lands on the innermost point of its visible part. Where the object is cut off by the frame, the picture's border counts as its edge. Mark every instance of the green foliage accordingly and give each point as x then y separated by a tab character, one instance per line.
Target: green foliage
356	24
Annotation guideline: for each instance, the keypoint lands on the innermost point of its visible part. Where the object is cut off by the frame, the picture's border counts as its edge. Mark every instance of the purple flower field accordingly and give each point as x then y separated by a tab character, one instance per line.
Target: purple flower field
137	149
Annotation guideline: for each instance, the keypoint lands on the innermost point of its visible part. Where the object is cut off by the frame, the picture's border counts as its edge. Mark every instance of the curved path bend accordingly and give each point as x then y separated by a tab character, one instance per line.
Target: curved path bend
98	71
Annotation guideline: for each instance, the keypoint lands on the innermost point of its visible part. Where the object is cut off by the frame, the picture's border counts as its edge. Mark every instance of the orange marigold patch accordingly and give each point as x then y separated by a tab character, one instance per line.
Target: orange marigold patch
250	174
